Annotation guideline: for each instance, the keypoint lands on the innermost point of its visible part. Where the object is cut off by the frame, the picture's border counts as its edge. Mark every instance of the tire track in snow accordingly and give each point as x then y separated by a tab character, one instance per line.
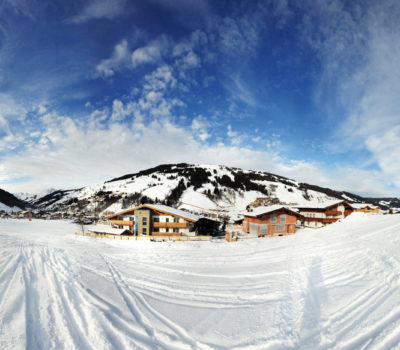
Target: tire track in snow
95	318
134	299
8	276
66	315
34	338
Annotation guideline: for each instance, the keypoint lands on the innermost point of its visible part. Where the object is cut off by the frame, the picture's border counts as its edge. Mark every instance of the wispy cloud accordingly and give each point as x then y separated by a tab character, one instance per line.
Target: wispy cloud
98	9
360	56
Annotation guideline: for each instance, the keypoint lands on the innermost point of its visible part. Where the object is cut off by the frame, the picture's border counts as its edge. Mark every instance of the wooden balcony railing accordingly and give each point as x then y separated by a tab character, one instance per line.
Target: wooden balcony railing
123	222
170	224
333	212
325	220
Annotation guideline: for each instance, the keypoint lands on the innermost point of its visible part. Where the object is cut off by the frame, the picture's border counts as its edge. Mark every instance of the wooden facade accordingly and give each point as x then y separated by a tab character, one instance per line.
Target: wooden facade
327	213
270	221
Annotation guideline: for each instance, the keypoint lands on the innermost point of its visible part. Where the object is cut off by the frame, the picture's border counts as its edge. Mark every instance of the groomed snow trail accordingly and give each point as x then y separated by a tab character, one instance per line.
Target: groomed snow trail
331	288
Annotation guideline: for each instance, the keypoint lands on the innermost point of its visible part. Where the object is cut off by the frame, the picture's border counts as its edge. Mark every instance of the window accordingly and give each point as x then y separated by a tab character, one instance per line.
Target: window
273	218
166	219
156	219
176	219
144	220
263	229
253	228
282	218
144	230
167	229
156	229
279	227
176	230
131	218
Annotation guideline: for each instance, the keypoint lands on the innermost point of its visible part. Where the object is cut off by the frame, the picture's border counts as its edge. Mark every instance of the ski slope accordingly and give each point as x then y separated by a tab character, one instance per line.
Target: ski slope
331	288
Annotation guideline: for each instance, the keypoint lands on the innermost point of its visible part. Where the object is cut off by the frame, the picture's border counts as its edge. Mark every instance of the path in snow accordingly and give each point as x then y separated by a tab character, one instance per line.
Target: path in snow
331	288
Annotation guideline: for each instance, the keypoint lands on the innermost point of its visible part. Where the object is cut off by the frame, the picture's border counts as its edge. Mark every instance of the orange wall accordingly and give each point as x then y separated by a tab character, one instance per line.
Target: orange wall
265	219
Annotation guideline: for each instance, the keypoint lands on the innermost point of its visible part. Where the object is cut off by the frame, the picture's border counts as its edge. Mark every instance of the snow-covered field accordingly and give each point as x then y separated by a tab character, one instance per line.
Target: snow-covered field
331	288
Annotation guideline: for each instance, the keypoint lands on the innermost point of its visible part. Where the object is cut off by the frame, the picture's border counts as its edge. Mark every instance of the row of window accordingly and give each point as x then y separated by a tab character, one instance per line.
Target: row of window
264	228
167	230
155	229
155	219
282	218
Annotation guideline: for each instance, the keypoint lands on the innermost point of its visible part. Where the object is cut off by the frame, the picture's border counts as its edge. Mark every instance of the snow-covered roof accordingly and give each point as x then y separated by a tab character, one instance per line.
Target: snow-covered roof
264	210
173	211
106	229
363	205
323	205
163	208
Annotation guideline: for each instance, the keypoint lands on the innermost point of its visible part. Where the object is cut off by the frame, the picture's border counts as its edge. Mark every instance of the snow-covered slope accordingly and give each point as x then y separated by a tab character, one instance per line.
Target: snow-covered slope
198	188
8	202
332	288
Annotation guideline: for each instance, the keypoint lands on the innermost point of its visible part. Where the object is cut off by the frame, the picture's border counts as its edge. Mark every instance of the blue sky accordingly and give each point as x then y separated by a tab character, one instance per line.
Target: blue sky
90	90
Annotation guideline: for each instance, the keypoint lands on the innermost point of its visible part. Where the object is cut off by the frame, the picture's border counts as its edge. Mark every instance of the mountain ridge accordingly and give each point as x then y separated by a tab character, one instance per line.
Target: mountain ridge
198	188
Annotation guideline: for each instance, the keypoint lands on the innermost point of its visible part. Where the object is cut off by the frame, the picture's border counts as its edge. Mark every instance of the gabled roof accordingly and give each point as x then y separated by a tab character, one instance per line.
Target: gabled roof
269	209
163	208
324	205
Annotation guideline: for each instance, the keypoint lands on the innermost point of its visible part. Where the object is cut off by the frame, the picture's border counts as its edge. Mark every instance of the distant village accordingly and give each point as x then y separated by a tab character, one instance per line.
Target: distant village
157	222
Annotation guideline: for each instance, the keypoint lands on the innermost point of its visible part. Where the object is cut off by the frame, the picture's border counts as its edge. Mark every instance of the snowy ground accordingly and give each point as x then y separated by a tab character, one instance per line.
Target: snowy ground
332	288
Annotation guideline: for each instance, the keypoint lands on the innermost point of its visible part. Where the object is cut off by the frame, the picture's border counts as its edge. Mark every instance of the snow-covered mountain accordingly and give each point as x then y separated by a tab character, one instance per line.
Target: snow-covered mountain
197	188
8	202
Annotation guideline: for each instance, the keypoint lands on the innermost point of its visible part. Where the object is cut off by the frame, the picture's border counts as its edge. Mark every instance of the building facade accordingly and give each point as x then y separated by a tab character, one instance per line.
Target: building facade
366	208
315	216
161	220
270	221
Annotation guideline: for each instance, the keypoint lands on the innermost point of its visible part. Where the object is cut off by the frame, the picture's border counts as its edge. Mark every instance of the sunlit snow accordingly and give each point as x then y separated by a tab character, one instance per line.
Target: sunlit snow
330	288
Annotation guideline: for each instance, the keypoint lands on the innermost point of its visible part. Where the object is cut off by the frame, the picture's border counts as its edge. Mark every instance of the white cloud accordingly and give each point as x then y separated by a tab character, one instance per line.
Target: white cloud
189	61
123	58
118	111
119	59
98	9
200	127
10	109
151	53
72	153
41	109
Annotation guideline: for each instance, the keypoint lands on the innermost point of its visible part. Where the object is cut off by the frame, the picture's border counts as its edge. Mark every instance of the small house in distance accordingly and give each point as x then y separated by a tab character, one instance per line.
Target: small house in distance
270	221
319	215
366	208
162	220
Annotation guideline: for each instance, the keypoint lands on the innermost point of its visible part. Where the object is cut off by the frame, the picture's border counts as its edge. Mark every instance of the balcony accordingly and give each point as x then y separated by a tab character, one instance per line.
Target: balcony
333	212
123	222
170	224
324	220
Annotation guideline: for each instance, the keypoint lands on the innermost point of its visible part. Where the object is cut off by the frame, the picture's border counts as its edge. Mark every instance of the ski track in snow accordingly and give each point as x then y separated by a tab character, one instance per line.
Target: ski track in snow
331	288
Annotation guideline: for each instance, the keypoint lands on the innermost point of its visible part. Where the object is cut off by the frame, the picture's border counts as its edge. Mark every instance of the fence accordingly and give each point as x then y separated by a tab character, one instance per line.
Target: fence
146	238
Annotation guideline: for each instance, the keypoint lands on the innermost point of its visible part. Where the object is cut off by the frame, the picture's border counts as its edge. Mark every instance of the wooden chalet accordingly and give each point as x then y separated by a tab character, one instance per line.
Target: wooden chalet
316	216
366	208
162	220
270	221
